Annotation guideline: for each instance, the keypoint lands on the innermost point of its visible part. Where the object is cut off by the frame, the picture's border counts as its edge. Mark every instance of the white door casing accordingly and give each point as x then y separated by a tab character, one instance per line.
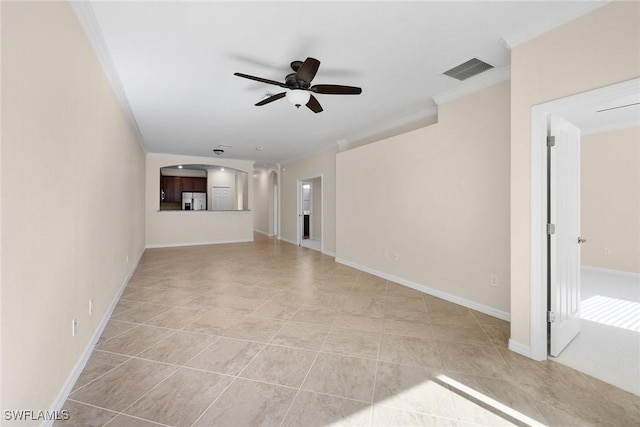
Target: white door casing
564	249
537	348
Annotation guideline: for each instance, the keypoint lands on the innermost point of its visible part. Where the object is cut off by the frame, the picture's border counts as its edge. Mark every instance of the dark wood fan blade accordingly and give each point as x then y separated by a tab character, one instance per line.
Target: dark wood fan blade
314	105
259	79
336	90
307	71
271	99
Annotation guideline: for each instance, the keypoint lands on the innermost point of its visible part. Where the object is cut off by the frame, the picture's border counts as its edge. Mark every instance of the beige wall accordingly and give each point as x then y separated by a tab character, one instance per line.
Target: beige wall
593	51
171	228
72	199
438	197
610	199
323	163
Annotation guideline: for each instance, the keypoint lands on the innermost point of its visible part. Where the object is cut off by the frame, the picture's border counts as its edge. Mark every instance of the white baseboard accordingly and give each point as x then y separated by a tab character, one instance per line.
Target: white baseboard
430	291
519	348
58	403
329	253
263	232
211	242
288	241
611	271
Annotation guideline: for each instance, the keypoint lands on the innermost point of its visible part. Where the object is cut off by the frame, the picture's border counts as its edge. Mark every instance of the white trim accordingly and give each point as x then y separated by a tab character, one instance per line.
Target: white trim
474	84
262	232
58	403
622	273
552	20
430	291
299	207
538	291
89	23
210	242
329	253
538	205
392	125
519	348
284	239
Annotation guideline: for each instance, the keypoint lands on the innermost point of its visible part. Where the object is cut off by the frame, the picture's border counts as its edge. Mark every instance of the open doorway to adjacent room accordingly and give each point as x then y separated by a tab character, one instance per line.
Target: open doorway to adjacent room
604	276
274	197
310	213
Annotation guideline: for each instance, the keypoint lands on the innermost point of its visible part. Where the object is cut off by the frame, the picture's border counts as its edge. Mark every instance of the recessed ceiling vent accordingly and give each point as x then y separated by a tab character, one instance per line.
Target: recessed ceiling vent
470	68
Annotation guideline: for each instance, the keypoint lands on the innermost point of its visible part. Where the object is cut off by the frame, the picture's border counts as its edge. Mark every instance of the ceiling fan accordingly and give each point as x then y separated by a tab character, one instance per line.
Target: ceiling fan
299	85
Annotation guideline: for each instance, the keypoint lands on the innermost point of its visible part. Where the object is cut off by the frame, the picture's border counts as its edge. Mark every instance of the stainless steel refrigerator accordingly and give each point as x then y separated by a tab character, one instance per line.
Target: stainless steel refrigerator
192	201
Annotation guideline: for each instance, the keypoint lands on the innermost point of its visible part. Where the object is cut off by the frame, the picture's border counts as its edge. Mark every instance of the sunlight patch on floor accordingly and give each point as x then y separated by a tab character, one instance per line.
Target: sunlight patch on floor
487	402
611	311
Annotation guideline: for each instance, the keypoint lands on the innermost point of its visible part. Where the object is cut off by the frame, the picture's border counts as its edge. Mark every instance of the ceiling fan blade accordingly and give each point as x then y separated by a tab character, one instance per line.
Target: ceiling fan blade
336	90
307	70
314	105
271	99
259	79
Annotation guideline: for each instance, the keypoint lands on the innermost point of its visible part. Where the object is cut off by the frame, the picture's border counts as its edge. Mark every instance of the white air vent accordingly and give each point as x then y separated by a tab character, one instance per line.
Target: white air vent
469	69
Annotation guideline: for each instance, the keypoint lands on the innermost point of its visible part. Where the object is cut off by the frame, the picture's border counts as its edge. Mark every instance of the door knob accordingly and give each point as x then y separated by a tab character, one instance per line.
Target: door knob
581	240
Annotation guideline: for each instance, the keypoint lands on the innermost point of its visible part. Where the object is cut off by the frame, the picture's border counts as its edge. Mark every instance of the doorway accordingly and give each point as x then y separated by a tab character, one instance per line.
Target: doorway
273	204
542	261
539	195
310	212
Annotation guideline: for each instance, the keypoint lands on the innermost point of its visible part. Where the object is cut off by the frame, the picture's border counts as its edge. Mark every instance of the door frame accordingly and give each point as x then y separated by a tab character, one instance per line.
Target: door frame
539	113
299	209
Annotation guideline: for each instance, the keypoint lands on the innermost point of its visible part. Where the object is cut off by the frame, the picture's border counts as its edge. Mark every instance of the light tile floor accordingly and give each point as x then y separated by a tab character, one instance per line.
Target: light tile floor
271	334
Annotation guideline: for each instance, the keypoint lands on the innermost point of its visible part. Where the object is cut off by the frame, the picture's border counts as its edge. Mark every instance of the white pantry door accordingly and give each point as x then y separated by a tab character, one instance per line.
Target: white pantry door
222	198
564	249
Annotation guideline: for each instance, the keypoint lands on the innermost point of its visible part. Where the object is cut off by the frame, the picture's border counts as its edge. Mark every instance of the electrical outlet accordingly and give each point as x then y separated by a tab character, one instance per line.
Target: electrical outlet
74	327
386	255
90	306
127	259
494	280
607	251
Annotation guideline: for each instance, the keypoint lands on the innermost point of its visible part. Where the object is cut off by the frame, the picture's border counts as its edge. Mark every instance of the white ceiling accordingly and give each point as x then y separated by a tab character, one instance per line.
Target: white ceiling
172	65
615	113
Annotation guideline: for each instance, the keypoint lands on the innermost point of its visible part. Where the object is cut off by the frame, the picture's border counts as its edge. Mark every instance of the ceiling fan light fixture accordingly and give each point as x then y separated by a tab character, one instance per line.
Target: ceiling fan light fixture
298	97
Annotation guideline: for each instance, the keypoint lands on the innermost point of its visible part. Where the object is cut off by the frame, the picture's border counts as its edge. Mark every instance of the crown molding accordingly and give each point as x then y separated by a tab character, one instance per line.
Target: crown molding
89	23
481	81
551	21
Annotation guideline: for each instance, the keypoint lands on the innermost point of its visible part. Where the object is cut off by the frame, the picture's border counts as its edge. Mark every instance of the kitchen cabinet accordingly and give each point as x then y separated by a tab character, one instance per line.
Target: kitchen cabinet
200	185
167	187
173	187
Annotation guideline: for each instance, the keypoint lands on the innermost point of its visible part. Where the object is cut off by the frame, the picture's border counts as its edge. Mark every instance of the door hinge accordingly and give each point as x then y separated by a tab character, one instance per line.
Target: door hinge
551	317
551	141
551	229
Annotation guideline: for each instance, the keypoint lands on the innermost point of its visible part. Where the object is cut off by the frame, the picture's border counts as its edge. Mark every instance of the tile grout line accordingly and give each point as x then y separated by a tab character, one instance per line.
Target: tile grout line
102	375
375	375
239	373
305	377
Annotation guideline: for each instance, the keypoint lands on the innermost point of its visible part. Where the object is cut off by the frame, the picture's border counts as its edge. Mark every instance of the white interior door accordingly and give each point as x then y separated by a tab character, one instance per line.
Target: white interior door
221	198
564	249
